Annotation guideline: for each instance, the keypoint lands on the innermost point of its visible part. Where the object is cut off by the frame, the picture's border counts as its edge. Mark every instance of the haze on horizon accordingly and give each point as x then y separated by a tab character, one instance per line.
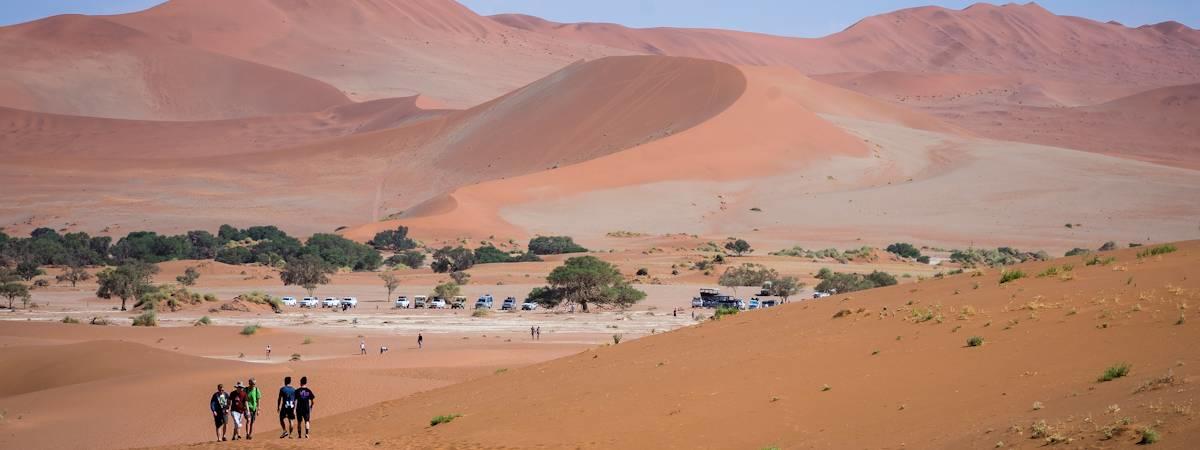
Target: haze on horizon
787	18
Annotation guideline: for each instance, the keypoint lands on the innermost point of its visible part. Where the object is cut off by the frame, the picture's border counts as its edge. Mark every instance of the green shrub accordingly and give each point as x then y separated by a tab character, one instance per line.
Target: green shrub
722	312
480	313
204	321
1158	250
249	330
1077	251
70	319
1095	260
1115	371
554	245
412	259
447	418
974	341
307	340
1149	436
1010	275
904	249
617	338
146	319
210	298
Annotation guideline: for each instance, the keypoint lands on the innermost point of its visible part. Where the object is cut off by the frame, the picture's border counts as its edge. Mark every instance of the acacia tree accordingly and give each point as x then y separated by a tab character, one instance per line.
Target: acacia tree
128	281
28	270
390	281
308	271
446	290
587	280
13	290
738	246
73	274
189	277
784	287
747	274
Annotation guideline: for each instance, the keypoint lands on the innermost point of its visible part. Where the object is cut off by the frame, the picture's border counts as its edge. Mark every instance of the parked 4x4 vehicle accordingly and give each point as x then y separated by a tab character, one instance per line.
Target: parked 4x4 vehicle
349	302
308	302
484	302
529	306
289	301
330	302
509	304
420	301
438	303
459	302
402	302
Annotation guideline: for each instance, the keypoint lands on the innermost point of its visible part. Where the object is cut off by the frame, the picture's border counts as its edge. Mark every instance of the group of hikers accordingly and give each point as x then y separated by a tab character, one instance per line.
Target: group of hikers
295	406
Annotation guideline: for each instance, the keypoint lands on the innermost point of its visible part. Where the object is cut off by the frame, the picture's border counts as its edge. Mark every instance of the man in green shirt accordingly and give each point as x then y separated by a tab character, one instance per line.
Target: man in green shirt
252	397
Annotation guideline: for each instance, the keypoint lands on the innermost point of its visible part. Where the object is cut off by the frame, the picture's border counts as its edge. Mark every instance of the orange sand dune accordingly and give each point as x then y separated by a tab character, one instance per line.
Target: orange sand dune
29	134
886	368
966	90
370	49
81	65
981	39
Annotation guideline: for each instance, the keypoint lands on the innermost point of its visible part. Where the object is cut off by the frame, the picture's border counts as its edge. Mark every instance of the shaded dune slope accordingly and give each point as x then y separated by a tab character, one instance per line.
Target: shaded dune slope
821	374
83	65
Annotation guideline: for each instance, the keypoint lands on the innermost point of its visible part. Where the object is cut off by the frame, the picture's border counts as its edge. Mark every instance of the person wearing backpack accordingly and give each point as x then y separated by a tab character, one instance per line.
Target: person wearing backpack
253	395
219	404
305	401
286	406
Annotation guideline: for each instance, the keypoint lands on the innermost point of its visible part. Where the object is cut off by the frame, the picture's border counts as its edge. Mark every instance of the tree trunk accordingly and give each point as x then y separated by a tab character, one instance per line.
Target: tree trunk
122	303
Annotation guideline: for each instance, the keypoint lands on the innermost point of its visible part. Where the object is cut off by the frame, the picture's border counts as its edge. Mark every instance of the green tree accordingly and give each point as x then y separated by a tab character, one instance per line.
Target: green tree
905	250
28	270
554	245
784	287
189	277
545	296
342	252
489	254
446	290
747	274
395	240
13	290
73	274
128	281
587	280
308	271
457	259
460	278
738	246
412	259
390	282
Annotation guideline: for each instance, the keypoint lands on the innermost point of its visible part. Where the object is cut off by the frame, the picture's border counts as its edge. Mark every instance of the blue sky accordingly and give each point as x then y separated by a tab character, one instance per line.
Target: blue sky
809	18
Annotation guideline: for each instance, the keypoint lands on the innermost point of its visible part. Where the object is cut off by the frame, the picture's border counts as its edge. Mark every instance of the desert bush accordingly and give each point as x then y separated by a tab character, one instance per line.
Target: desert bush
974	341
842	313
850	282
1149	436
412	259
479	313
249	330
1157	250
70	319
445	418
1010	275
210	298
452	259
307	340
722	312
460	278
203	321
189	277
1110	245
617	339
1115	371
341	252
642	272
738	246
554	245
904	249
146	319
396	240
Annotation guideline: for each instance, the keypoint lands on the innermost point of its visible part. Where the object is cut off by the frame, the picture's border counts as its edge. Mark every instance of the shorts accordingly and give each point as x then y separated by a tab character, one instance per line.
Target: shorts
237	418
287	413
253	414
304	416
219	419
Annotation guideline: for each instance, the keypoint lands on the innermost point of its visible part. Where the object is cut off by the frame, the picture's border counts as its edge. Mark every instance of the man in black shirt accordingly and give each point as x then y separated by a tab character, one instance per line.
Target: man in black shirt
305	401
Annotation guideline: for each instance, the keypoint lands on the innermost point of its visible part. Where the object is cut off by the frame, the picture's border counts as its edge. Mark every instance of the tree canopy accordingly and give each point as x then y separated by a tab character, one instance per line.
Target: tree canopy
747	274
738	246
554	245
456	259
127	281
394	240
588	280
308	271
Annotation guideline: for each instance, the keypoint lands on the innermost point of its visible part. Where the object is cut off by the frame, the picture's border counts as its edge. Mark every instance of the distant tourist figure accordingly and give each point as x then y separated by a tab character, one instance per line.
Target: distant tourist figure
237	408
362	347
539	333
218	404
420	341
383	349
305	401
532	333
268	351
253	395
286	406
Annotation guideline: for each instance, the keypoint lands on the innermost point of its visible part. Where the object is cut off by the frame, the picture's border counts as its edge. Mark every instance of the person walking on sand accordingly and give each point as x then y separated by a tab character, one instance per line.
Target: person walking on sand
362	346
268	351
218	404
531	333
539	333
420	341
286	404
237	408
305	401
253	395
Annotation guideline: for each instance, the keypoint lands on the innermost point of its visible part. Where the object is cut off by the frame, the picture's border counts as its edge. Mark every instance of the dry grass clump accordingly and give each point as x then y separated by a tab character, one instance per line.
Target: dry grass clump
146	319
1115	371
1160	382
70	319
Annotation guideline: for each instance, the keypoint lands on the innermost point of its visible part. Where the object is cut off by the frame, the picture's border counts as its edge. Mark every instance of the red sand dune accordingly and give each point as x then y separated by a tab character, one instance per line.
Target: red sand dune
981	39
81	65
369	49
885	368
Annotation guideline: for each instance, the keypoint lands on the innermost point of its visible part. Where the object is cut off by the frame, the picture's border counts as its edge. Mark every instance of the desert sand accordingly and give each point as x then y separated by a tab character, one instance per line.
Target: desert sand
983	127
